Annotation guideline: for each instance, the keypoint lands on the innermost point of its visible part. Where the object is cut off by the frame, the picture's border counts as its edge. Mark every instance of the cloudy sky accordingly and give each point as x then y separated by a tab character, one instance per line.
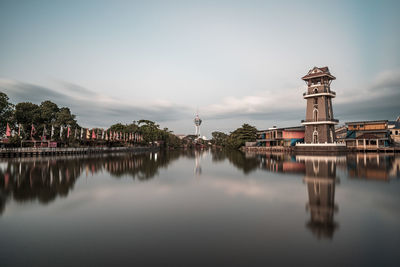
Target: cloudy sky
234	61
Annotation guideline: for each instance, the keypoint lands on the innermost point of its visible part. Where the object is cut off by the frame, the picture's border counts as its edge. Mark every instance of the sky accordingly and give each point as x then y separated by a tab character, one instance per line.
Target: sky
234	62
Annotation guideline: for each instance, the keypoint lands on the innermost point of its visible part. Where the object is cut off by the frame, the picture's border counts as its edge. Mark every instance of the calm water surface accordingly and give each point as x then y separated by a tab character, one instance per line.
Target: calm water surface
200	208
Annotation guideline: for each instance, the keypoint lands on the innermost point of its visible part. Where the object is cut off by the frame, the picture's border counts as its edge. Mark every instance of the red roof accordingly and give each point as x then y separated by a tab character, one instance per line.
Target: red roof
318	72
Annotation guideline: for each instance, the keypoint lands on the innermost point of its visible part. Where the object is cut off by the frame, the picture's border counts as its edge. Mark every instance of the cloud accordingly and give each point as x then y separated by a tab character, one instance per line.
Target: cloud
378	100
93	109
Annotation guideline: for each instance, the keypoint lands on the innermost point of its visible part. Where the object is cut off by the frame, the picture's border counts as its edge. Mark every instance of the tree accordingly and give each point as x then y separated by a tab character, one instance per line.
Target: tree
118	127
150	131
26	114
240	136
65	118
48	112
6	112
219	138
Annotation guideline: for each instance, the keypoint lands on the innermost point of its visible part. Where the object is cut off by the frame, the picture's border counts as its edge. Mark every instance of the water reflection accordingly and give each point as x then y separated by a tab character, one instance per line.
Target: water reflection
46	178
271	209
320	177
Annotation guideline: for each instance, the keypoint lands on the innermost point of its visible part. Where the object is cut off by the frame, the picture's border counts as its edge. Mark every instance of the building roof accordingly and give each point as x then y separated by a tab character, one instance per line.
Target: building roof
394	124
318	72
368	136
366	122
293	128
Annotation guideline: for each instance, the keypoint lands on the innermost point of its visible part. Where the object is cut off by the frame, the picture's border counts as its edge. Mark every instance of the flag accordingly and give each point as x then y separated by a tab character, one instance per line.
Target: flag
33	130
61	131
76	133
68	131
106	137
102	134
19	129
52	132
44	133
93	134
87	134
81	133
8	131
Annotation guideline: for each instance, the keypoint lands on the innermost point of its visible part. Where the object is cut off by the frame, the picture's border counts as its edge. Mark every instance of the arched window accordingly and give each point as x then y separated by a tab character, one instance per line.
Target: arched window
315	90
315	114
315	137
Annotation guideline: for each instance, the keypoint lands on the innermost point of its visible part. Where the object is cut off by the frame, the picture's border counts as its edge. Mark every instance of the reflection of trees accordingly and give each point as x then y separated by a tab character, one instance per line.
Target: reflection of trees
45	179
141	166
218	155
240	161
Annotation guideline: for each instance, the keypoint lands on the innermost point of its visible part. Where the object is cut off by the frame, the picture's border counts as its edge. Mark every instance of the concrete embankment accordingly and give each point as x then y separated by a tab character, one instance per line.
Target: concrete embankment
320	149
45	151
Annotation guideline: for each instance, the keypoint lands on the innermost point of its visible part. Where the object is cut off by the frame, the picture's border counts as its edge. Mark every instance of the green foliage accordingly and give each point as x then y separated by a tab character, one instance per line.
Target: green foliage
235	139
150	132
219	138
240	136
6	112
26	114
49	112
118	127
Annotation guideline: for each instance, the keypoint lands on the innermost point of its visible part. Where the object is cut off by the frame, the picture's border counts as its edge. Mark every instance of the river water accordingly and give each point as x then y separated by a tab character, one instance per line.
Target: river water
200	208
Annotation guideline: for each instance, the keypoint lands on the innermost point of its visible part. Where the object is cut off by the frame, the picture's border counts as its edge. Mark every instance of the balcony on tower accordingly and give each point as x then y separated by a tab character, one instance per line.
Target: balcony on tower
325	92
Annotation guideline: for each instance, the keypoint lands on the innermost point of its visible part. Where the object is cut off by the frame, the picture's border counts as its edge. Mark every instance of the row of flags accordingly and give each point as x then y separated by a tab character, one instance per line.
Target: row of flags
84	134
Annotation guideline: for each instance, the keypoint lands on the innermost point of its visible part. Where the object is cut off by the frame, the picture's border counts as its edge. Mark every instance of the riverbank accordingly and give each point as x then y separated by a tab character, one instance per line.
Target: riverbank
294	149
46	151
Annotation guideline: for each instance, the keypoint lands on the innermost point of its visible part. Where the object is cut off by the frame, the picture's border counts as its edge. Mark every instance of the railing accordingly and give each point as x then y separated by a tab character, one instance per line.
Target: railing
317	93
61	149
321	120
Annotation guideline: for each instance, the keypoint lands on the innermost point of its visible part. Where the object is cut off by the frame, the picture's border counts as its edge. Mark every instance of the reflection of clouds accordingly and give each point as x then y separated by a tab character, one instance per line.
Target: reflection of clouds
257	187
234	187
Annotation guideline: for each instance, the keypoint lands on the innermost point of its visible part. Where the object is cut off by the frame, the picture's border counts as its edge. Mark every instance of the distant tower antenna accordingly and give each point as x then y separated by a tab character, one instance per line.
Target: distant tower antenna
197	123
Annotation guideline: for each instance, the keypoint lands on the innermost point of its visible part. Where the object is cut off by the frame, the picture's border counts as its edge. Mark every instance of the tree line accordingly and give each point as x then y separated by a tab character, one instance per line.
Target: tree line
48	119
29	121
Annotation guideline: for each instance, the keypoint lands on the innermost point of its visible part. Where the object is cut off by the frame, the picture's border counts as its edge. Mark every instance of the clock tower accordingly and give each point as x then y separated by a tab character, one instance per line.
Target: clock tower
319	123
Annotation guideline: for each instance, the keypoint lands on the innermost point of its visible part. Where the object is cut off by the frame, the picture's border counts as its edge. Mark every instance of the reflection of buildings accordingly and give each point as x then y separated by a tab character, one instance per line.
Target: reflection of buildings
373	166
197	159
280	162
321	179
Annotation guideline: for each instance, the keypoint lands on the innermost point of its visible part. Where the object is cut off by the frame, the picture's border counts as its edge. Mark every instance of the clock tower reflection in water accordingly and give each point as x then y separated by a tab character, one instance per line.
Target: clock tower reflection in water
321	179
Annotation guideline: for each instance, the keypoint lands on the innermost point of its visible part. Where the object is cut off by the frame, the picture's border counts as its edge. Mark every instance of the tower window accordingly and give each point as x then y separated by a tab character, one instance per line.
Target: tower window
315	114
315	137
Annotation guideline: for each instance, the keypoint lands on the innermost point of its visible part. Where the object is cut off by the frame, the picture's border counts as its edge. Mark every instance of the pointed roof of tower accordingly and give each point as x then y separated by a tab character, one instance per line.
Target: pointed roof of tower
318	72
